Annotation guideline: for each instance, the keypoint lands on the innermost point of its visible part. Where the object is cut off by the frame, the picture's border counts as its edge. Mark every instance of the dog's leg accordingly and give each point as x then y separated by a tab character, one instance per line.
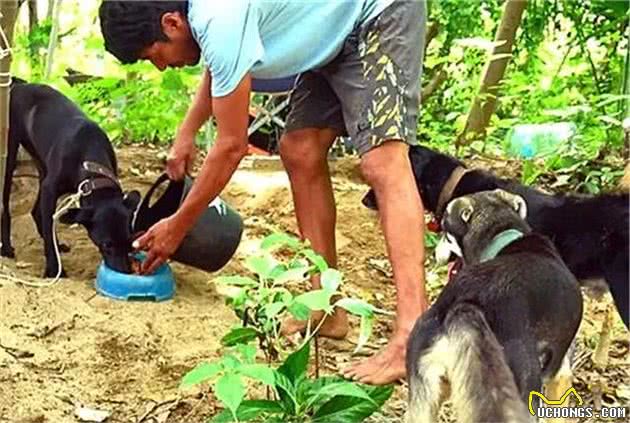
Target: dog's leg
559	384
429	386
37	218
36	212
47	202
616	274
7	249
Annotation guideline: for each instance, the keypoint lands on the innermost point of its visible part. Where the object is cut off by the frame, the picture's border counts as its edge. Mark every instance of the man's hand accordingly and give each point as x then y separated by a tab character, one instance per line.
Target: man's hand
160	242
181	157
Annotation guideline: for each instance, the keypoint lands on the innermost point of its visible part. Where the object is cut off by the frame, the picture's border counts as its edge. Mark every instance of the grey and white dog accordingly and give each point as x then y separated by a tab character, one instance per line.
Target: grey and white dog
501	328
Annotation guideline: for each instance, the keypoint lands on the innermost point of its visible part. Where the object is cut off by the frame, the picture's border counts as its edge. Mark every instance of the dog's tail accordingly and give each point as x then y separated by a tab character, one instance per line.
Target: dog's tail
468	362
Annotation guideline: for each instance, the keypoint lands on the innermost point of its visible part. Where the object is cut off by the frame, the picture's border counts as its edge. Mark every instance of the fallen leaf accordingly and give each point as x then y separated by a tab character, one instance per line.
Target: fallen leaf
86	414
623	392
163	417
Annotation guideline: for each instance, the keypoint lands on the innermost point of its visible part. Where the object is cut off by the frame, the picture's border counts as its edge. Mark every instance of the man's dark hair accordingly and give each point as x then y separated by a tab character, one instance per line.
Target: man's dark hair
130	26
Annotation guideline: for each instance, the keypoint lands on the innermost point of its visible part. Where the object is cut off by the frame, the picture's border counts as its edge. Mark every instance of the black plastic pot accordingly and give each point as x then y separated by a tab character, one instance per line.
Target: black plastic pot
212	241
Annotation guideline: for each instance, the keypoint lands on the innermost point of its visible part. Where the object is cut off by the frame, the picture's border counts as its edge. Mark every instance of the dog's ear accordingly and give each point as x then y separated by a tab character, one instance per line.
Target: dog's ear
515	201
82	216
131	199
369	200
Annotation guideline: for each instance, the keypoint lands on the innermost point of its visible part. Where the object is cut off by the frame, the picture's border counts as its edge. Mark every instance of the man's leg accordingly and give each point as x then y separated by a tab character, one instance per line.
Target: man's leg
388	171
304	154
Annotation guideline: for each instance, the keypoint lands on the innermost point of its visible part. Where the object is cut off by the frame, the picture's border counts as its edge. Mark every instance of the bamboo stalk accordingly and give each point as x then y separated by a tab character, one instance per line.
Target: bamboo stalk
8	11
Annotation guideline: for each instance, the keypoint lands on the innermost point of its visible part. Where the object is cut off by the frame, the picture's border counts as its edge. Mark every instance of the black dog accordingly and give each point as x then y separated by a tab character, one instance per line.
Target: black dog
72	155
590	232
502	326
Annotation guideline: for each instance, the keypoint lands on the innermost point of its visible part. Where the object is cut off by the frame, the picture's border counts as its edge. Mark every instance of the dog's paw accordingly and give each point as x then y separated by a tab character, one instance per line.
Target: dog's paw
7	252
64	248
52	273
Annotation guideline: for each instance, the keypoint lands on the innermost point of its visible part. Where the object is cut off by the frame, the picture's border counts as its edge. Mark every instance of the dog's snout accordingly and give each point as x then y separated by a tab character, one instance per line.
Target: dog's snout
119	263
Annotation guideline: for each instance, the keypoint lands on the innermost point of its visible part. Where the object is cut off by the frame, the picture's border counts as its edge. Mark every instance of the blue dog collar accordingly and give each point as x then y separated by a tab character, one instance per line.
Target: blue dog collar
499	242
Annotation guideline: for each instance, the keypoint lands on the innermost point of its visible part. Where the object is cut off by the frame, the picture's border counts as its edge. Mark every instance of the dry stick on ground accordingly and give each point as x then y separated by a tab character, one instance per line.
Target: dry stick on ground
17	353
157	405
47	330
600	357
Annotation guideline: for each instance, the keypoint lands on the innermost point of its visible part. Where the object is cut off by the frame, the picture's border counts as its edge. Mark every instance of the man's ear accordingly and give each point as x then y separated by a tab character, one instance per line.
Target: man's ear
82	216
369	200
131	199
172	23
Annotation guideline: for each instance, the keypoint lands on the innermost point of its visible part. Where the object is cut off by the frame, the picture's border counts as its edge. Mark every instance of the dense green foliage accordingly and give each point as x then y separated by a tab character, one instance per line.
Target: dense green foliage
568	65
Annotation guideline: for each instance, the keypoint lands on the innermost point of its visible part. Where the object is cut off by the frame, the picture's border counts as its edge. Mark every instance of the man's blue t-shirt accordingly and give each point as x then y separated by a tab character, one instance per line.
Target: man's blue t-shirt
273	38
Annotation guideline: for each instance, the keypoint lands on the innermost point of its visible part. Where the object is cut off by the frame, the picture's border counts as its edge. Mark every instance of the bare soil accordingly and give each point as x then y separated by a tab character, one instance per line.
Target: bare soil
65	346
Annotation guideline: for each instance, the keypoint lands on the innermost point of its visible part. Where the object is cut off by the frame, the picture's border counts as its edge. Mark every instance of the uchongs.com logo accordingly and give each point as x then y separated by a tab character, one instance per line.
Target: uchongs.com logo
553	409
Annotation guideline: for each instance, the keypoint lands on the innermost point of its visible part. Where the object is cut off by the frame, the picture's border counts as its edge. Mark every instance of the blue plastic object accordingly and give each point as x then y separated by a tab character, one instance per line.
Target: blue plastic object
533	140
159	286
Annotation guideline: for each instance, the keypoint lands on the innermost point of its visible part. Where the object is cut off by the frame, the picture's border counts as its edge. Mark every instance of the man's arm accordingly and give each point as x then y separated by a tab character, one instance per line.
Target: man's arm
182	153
200	110
163	238
232	118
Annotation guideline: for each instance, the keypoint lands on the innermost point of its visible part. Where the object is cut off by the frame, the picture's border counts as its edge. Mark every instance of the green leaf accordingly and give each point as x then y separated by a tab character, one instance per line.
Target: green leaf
343	388
297	275
272	310
279	240
248	352
299	311
346	409
249	410
287	392
236	281
172	81
331	279
262	265
530	172
318	299
230	391
235	293
357	307
239	336
294	367
316	259
259	372
230	362
201	373
365	332
277	271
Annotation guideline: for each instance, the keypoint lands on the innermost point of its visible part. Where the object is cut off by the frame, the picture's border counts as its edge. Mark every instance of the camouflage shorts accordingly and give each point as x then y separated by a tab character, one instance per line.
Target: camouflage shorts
371	90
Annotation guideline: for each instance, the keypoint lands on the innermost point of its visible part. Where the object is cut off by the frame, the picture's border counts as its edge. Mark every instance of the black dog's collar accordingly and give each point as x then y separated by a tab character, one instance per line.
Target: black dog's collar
105	178
449	187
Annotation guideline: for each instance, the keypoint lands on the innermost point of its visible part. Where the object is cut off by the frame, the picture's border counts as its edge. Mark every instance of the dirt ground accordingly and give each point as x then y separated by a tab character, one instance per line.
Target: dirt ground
64	346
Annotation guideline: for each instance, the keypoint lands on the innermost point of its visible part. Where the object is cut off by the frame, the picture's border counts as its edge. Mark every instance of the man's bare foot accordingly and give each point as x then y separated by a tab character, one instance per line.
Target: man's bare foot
335	326
383	368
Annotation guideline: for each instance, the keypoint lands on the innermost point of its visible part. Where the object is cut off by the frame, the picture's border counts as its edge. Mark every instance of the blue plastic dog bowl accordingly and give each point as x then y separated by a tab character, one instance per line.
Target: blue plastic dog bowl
159	286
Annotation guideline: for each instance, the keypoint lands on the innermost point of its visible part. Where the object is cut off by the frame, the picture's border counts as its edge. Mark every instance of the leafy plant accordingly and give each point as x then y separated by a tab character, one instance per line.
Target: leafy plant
298	398
262	300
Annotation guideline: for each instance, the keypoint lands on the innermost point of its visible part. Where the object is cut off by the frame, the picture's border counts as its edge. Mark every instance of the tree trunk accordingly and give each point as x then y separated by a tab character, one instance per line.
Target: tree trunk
33	19
8	8
53	40
484	104
49	10
625	86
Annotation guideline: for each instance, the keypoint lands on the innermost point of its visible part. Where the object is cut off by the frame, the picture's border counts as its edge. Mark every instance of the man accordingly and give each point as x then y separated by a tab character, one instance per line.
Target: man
359	64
